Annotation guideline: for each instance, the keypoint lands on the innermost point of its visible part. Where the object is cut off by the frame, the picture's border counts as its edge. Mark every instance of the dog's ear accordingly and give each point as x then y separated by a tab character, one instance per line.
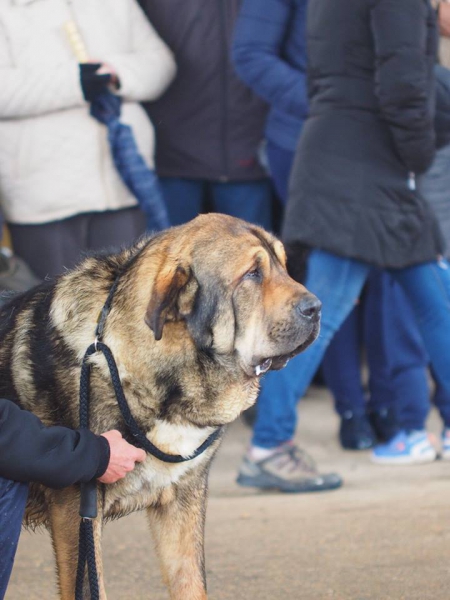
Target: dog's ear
172	297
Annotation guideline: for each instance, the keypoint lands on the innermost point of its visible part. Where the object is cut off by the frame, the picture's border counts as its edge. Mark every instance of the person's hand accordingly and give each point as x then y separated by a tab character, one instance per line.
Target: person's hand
123	457
444	19
105	68
96	78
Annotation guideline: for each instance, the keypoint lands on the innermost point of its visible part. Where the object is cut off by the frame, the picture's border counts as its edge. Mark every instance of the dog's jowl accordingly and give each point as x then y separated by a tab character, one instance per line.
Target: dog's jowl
200	313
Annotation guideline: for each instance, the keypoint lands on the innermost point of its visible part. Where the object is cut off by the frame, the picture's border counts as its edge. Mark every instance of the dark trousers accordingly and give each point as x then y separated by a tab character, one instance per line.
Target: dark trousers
13	498
385	324
49	248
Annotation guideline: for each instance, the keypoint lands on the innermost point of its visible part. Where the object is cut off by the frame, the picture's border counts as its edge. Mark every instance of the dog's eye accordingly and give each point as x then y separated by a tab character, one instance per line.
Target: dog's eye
255	274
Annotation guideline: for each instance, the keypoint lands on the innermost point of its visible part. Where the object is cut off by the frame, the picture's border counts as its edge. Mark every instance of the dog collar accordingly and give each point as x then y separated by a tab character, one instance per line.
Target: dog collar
138	436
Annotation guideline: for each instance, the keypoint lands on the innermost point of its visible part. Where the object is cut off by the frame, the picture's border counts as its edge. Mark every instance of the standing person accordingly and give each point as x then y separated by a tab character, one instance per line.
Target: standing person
209	126
353	195
60	191
269	54
54	456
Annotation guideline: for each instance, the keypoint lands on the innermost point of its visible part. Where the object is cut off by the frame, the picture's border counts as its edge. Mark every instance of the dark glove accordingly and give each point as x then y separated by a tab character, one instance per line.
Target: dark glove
93	84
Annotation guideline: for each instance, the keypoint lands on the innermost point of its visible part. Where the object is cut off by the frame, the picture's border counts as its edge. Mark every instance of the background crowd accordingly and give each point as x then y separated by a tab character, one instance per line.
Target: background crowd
326	121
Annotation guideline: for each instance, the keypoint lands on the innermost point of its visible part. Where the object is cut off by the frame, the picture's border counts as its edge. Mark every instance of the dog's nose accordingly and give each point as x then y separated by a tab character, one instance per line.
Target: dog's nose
310	307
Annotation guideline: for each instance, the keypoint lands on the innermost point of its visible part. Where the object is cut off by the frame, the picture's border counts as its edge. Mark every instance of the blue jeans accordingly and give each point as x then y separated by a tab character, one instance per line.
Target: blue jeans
248	200
385	324
338	283
13	498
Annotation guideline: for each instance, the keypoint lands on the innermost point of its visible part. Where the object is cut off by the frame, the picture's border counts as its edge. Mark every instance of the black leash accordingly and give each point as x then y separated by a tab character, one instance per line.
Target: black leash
88	491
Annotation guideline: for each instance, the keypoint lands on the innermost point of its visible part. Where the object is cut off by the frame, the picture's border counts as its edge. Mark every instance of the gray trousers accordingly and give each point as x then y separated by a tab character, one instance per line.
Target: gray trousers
435	187
50	248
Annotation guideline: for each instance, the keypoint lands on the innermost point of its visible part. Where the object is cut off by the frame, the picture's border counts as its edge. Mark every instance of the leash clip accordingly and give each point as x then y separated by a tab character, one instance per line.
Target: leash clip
96	343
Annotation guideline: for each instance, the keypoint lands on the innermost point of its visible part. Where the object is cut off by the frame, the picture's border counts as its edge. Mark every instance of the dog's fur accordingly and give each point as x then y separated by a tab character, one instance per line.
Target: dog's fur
197	308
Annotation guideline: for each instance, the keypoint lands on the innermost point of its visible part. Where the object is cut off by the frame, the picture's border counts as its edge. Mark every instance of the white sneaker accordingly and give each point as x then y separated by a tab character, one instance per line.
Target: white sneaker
406	449
445	449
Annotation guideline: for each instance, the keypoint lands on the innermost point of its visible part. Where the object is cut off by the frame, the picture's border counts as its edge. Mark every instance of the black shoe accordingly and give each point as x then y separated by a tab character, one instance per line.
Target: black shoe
356	433
384	424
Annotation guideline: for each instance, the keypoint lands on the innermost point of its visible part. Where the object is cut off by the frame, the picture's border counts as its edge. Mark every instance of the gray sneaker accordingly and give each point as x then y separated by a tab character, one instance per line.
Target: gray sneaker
289	469
15	275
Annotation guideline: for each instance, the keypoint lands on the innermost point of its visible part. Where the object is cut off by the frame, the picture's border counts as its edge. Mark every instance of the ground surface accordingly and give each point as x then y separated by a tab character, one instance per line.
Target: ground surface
384	536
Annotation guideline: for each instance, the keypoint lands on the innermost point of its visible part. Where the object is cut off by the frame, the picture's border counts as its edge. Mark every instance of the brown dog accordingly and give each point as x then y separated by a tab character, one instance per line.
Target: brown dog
200	312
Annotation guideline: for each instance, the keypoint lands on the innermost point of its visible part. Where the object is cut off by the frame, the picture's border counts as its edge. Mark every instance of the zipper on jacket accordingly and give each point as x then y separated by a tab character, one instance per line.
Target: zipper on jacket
224	99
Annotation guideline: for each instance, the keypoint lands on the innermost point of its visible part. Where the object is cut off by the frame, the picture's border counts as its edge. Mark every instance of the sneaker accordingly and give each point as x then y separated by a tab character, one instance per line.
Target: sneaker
288	469
445	439
405	449
384	424
355	432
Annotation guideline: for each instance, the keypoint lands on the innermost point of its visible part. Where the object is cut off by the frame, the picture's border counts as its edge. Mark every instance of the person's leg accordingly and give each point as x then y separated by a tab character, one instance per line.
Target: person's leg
341	368
183	197
428	289
441	400
396	357
337	282
13	498
50	248
112	229
248	200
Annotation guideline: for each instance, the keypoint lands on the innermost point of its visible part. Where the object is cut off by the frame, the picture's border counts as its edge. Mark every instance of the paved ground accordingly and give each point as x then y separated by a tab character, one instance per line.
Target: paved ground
384	536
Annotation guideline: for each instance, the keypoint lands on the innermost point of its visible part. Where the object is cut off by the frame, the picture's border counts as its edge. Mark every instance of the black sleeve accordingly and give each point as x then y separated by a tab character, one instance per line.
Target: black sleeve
55	456
402	77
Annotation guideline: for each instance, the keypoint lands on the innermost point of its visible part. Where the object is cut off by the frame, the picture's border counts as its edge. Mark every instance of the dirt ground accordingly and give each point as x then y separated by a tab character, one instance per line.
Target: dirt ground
384	536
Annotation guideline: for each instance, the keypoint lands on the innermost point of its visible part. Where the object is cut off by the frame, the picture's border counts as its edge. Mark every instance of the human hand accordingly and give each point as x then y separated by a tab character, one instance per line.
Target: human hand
123	457
92	82
444	19
107	69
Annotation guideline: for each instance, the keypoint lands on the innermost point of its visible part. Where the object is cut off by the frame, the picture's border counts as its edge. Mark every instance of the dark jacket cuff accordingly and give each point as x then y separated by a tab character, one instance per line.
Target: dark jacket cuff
104	456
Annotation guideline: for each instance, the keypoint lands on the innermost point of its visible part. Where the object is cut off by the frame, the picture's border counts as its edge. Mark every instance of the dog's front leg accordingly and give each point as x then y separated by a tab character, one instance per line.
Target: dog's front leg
64	528
178	528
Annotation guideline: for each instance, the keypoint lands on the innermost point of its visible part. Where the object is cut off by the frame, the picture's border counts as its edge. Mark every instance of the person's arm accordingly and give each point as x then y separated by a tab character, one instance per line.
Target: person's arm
402	78
260	30
58	456
146	71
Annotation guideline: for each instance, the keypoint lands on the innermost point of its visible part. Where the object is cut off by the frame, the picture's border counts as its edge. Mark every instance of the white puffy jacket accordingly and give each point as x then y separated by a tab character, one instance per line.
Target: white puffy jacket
54	157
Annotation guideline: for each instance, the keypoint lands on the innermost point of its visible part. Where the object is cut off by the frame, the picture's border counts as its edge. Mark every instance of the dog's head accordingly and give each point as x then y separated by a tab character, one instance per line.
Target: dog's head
227	280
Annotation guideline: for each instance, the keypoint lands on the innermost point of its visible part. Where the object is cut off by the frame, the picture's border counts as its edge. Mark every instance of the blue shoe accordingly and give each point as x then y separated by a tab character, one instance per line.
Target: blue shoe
405	449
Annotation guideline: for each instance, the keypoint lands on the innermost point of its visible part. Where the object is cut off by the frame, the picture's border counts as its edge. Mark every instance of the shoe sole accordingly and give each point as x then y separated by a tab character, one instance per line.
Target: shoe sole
426	457
266	483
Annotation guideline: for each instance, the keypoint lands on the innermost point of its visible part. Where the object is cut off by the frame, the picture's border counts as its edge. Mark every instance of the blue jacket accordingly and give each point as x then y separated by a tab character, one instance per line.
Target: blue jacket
269	54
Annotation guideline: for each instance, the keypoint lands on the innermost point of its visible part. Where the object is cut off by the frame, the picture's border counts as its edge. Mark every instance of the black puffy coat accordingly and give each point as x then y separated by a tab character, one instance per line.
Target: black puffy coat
370	126
208	124
55	456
